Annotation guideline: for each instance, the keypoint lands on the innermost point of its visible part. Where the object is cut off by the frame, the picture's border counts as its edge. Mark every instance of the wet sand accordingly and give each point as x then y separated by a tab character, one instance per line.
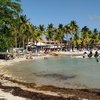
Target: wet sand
19	59
33	92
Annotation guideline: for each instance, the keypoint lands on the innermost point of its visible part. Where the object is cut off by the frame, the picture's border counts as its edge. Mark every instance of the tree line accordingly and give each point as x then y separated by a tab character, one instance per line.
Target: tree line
16	30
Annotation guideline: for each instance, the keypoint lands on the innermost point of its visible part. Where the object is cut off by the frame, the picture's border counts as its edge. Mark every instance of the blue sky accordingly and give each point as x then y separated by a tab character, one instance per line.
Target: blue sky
84	12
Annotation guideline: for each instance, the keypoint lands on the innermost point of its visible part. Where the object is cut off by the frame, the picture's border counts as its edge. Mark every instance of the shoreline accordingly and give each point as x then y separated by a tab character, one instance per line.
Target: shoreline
19	59
75	52
36	57
45	92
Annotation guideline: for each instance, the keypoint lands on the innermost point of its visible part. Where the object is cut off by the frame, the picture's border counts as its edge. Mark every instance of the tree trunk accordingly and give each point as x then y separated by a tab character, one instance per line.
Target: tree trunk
15	41
23	42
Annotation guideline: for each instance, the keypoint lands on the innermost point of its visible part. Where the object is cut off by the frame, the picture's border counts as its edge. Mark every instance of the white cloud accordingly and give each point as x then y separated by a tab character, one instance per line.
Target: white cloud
94	18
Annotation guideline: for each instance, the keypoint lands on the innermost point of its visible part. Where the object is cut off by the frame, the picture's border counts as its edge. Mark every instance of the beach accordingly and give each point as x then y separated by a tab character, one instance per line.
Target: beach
49	50
61	53
13	89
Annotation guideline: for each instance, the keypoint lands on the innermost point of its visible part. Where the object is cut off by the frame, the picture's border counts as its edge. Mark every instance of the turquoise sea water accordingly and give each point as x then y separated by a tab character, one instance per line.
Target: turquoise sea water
58	71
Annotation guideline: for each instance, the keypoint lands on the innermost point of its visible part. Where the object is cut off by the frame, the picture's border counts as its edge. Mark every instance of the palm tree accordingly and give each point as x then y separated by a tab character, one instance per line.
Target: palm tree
99	36
22	32
15	31
67	33
61	34
76	38
50	30
85	36
73	27
37	33
90	40
42	30
41	27
95	36
27	30
74	31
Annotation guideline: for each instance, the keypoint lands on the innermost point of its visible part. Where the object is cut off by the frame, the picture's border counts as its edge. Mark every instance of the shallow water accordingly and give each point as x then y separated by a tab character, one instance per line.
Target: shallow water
67	72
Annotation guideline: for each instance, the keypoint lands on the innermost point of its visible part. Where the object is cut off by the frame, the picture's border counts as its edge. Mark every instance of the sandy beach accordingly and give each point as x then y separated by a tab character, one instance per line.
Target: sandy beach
9	96
19	59
12	89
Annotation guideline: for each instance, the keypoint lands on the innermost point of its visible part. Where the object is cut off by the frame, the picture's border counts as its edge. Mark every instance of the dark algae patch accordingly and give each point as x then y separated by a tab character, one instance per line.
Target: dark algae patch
62	93
57	76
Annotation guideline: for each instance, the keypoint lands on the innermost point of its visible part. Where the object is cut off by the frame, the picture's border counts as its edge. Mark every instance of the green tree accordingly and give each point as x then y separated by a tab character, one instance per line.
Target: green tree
9	10
50	30
94	37
85	36
74	31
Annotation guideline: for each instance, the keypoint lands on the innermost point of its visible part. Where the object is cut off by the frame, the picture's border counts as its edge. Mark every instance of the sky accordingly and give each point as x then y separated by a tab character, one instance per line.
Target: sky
84	12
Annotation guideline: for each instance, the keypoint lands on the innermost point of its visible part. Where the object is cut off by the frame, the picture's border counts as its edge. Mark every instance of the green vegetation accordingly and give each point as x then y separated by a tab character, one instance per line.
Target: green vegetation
17	31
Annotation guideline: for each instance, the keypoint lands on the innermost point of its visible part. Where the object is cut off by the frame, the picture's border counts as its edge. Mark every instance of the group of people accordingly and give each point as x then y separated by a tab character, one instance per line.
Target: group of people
96	55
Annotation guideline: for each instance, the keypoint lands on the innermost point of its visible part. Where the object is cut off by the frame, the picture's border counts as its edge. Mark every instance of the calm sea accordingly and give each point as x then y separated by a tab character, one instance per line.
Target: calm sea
59	71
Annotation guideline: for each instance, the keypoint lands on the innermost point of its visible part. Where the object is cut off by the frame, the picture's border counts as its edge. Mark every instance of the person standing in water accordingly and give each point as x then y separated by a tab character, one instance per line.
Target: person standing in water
96	55
84	54
90	54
